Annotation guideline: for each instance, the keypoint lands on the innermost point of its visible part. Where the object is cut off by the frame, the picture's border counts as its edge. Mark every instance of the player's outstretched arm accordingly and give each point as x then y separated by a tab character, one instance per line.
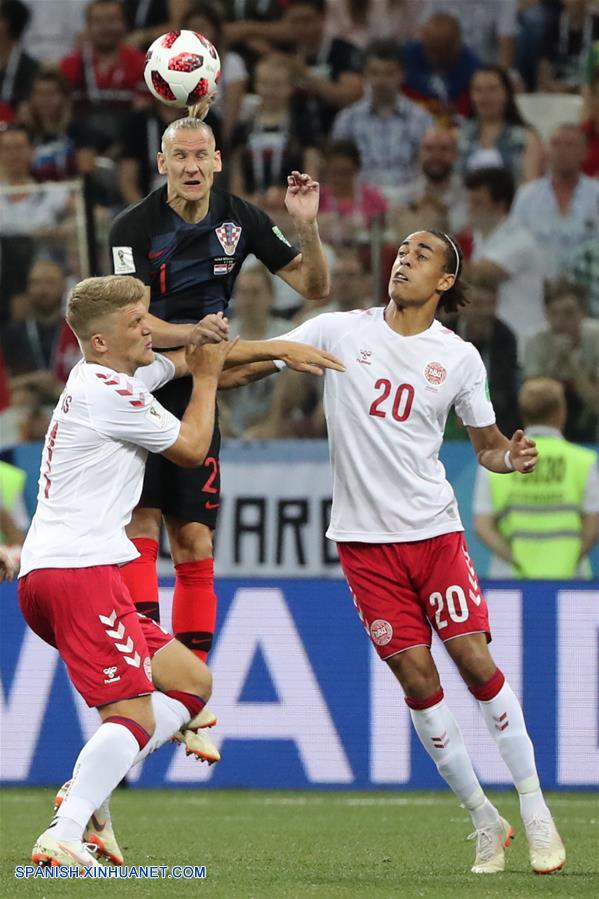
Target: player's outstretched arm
246	374
211	329
205	365
496	453
308	273
298	356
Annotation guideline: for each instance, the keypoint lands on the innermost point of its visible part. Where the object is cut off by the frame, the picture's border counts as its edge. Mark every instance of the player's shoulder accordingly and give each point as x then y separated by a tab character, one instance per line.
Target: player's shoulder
108	388
453	343
351	320
226	203
143	212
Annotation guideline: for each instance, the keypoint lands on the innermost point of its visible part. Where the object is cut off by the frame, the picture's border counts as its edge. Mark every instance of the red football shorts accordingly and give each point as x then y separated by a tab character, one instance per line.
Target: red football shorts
89	616
402	590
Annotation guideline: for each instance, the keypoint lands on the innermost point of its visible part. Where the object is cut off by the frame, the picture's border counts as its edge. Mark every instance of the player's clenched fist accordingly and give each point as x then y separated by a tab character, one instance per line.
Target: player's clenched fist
211	329
208	360
308	359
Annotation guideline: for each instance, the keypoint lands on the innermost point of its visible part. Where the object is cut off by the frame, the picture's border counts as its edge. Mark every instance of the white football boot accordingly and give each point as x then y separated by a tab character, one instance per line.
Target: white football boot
196	743
545	848
97	832
48	851
491	842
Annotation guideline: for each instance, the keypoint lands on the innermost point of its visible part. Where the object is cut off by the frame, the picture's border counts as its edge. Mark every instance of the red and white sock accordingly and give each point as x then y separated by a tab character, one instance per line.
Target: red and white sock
194	606
504	719
141	577
442	738
100	767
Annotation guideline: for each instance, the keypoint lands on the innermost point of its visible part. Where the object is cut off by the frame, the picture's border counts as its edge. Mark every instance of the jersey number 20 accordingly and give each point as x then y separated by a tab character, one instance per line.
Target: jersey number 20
402	402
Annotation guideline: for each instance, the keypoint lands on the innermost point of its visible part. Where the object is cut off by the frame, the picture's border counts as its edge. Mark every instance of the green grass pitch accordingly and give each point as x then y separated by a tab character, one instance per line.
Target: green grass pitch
296	844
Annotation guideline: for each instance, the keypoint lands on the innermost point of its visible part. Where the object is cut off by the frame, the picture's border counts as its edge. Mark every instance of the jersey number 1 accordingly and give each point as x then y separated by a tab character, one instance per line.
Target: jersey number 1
402	403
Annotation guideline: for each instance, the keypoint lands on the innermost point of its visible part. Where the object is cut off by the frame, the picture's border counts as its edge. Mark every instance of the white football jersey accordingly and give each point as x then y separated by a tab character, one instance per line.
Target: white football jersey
93	465
386	416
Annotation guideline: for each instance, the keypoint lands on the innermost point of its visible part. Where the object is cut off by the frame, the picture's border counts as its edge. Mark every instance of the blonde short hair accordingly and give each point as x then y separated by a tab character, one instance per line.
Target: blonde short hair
187	123
541	400
93	298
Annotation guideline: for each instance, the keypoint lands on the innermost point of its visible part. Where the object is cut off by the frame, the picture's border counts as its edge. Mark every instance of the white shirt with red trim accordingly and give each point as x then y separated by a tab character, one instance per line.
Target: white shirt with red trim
386	416
93	465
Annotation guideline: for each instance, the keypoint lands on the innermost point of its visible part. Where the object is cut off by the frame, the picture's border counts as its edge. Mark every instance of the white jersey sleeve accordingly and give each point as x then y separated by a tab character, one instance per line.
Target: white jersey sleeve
318	332
472	403
157	374
123	409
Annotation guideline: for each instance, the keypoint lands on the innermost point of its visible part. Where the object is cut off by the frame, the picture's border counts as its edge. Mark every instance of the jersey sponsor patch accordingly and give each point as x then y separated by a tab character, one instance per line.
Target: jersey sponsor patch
156	415
276	230
228	235
122	258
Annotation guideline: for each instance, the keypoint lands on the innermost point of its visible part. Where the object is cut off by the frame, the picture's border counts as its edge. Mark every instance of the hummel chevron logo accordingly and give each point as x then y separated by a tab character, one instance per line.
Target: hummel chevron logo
108	619
118	633
125	647
440	742
135	661
501	721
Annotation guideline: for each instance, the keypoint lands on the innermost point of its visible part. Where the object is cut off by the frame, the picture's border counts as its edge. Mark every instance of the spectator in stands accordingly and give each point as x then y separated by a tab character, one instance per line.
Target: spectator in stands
253	25
140	142
34	211
277	139
106	74
41	350
439	68
253	320
436	199
562	208
360	22
54	29
148	19
488	28
591	128
497	135
497	344
348	207
541	525
568	350
386	127
582	265
570	31
64	147
207	19
17	68
327	72
532	17
506	252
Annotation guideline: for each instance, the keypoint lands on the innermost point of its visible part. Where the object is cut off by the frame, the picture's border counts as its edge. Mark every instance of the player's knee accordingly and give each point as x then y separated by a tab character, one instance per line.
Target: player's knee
145	523
476	666
191	543
418	681
201	680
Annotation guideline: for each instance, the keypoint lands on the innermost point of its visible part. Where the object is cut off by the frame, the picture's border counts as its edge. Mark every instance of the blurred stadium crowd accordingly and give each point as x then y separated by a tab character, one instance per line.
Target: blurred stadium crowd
477	117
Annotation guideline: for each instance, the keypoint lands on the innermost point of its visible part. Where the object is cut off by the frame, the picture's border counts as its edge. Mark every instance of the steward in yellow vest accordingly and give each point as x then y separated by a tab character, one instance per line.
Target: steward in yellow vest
545	522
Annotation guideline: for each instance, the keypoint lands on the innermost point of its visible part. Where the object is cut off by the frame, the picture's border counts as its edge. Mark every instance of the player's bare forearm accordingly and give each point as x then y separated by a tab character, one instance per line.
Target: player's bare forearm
168	334
298	356
496	453
313	270
246	374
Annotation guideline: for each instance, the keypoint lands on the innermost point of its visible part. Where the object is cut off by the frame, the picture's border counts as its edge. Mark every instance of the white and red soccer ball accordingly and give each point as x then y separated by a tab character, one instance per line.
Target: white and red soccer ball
182	68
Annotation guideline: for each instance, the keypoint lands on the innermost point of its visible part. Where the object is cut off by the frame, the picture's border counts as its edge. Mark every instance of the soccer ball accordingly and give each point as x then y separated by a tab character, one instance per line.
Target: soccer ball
182	68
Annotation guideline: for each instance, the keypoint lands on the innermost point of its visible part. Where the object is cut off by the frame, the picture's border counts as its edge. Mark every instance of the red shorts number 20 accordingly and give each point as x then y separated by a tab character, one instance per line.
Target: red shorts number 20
403	590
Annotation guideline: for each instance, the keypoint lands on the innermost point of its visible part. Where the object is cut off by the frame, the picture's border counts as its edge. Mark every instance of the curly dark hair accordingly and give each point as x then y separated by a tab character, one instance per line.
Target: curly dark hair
456	296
